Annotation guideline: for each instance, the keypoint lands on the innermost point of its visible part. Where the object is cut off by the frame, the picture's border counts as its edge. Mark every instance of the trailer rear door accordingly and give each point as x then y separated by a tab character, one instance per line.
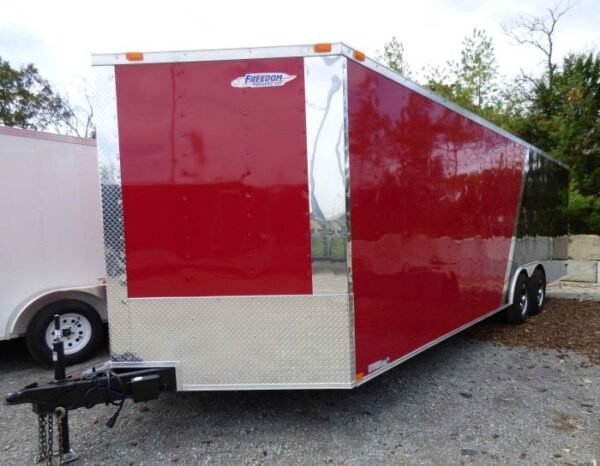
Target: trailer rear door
214	178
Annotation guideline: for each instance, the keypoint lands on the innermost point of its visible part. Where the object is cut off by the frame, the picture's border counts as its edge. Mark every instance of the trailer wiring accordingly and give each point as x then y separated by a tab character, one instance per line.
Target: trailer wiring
122	394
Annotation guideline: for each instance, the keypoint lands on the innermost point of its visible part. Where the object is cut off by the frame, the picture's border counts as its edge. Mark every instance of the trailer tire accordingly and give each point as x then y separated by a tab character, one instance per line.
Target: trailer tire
537	288
519	310
84	329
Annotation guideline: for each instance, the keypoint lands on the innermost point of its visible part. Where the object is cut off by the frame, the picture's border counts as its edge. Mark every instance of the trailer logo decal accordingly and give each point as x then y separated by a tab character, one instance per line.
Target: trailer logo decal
263	80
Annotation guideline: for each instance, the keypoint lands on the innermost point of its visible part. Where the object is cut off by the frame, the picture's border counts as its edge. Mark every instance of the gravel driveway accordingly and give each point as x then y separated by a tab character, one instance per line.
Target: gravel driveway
463	402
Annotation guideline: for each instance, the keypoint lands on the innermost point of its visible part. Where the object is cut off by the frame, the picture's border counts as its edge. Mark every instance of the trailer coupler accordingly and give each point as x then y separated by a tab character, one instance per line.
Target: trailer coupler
87	390
52	400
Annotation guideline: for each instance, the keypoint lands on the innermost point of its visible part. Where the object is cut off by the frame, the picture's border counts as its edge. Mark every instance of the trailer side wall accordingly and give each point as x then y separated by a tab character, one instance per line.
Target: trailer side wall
434	199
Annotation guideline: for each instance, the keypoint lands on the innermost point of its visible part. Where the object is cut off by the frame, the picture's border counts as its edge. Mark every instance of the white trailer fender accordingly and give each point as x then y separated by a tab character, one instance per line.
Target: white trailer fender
93	295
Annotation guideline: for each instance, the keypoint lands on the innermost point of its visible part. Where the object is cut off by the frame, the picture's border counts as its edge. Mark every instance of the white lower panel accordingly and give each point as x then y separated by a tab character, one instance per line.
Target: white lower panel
244	342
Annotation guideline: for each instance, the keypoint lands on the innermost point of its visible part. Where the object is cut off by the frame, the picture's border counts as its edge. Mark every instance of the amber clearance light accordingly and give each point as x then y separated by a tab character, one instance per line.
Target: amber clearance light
134	56
322	48
358	55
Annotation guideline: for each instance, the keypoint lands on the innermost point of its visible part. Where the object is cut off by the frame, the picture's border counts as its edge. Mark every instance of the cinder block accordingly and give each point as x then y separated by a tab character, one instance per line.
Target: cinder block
584	247
582	271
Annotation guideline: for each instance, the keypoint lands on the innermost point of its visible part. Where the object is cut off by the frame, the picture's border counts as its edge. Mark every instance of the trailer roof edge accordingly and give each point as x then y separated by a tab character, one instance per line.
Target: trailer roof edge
279	51
348	52
308	50
35	134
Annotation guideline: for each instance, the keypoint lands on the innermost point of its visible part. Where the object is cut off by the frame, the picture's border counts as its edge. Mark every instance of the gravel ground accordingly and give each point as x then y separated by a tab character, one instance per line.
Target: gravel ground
465	401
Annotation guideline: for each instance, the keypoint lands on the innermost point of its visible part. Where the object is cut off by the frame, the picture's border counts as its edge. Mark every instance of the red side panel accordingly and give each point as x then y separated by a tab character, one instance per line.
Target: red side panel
434	197
215	193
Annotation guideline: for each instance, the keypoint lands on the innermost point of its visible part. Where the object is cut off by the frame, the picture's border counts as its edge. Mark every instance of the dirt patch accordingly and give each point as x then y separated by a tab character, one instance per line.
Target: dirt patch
564	422
565	324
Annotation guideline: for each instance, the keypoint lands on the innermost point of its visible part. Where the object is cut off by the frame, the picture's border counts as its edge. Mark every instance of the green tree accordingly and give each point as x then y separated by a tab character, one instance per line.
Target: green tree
439	80
393	57
562	117
559	111
477	70
472	81
574	124
28	101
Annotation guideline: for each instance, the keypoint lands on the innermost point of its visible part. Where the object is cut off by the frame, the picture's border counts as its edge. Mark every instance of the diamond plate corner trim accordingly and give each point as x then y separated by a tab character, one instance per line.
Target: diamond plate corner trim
230	343
326	143
352	339
112	208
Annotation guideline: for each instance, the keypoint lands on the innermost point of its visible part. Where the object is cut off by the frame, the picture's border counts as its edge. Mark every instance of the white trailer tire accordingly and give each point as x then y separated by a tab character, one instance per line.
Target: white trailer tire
82	329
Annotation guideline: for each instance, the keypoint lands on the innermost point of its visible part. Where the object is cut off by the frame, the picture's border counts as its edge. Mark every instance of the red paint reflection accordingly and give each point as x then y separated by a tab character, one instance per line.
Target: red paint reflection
434	197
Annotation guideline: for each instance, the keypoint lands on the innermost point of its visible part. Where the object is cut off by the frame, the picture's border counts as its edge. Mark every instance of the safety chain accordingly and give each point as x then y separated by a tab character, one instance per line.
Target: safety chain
45	450
60	414
50	450
41	447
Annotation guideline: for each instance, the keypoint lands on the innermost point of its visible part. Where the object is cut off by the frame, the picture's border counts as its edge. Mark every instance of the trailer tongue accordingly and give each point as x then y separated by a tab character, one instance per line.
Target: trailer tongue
52	400
300	217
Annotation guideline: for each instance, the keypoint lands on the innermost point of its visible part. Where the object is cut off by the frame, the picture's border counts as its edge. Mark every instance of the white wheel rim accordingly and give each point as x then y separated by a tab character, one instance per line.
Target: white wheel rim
76	330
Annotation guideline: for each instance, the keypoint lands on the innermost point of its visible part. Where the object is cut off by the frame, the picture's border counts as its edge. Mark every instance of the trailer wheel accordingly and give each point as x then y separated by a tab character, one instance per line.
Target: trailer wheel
82	330
537	286
518	312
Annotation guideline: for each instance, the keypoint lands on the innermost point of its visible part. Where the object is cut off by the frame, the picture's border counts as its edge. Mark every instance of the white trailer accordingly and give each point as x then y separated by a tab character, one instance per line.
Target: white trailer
51	246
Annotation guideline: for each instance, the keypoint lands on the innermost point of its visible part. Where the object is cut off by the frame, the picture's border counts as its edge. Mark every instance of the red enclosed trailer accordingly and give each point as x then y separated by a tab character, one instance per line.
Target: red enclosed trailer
298	217
304	217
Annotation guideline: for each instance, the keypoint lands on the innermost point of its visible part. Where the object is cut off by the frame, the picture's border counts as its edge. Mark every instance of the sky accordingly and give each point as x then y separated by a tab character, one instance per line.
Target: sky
58	36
